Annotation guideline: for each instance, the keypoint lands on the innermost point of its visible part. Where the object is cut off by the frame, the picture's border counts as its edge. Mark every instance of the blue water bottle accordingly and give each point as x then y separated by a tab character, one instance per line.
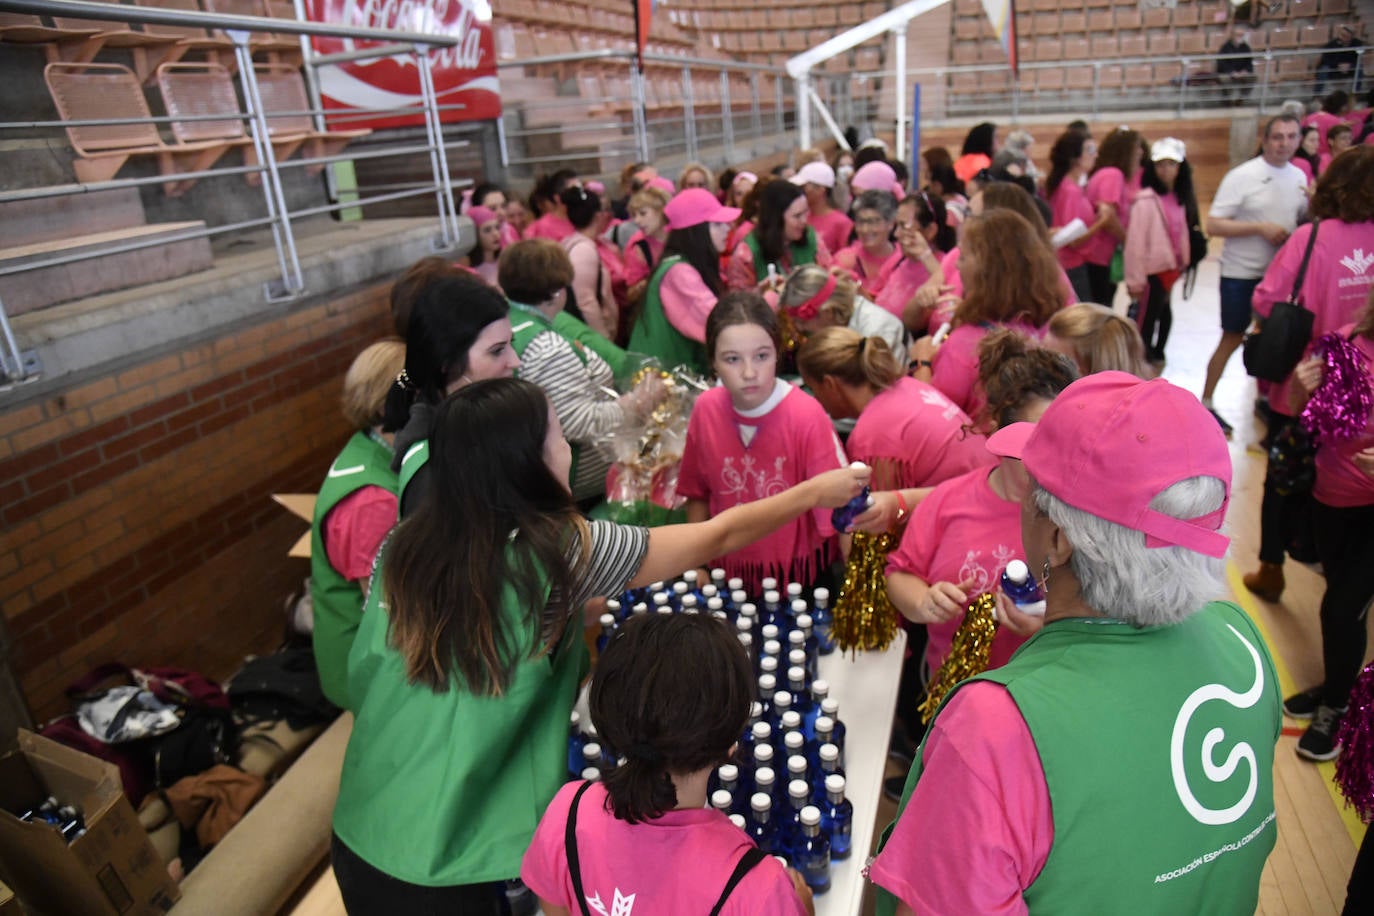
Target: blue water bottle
813	851
1022	589
761	828
608	628
821	619
837	817
843	517
575	743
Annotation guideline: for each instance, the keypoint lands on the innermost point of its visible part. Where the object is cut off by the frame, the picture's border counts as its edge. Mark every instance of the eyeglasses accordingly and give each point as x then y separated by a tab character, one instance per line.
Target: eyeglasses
869	221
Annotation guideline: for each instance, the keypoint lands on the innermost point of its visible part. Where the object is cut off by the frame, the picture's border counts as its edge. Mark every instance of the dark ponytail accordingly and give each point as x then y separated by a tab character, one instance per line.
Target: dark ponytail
672	694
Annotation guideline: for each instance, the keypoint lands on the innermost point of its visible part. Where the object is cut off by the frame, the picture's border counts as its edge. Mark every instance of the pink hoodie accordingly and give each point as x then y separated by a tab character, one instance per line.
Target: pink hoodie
1156	239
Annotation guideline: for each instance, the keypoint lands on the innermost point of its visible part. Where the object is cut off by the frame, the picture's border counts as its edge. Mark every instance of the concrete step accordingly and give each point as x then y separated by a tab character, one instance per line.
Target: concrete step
44	286
31	222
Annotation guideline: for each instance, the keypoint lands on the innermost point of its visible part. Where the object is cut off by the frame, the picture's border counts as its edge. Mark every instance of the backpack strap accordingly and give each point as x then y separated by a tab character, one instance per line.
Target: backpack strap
570	846
753	856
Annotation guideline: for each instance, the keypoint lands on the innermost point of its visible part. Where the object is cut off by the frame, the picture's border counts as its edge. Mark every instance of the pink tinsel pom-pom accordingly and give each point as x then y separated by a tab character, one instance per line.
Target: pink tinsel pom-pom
1355	767
1339	409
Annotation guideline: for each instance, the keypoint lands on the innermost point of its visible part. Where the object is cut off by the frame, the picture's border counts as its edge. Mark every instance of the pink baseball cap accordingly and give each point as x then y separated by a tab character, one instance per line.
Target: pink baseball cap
479	214
1110	443
663	184
697	205
876	176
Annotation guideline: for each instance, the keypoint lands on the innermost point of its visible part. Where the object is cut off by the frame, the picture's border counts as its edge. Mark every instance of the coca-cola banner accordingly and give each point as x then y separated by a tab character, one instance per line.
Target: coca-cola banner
464	74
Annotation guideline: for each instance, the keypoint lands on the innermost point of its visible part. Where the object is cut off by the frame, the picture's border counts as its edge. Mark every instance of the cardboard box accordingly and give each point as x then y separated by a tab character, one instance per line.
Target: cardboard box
112	870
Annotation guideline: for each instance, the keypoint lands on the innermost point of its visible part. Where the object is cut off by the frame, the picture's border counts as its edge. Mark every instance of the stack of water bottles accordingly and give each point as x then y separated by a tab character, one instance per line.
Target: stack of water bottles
786	786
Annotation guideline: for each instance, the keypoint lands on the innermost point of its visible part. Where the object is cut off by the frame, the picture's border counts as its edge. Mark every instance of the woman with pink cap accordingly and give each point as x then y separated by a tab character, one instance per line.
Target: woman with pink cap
686	283
1123	759
817	181
781	240
481	260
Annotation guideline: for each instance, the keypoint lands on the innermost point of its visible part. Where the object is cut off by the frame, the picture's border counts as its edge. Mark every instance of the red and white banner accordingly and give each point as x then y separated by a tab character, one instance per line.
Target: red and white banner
464	74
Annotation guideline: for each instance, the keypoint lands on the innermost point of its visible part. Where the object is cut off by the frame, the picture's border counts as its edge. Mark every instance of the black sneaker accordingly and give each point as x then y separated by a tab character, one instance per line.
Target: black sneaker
1226	428
893	787
1319	741
1303	705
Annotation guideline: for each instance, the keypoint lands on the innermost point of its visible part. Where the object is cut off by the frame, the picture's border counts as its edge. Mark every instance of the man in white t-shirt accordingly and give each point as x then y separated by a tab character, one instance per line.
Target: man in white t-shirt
1255	209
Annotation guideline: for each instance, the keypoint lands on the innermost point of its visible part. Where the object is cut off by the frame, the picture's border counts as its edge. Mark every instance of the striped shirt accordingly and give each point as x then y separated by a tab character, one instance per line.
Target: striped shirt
616	554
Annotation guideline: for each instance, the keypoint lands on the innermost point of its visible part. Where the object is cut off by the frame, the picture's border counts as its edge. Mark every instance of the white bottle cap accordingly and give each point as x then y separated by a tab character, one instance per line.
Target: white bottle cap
772	597
796	673
770	645
738	820
804	623
665	608
761	801
768	664
794	590
810	816
763	776
592	730
717	573
660	599
763	753
825	724
736	583
820	687
822	594
679	588
830	706
720	798
767	683
591	749
739	597
591	774
748	610
796	765
606	620
791	719
657	586
640	608
834	784
857	465
690	577
612	605
709	591
755	709
829	752
782	699
744	623
798	607
746	640
798	788
1018	572
770	584
728	772
797	659
714	604
762	731
689	601
794	741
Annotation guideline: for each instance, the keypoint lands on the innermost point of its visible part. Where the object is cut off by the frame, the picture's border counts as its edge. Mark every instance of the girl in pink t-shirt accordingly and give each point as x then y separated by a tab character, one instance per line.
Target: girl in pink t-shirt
755	435
965	532
644	833
645	247
1010	279
1071	158
1109	193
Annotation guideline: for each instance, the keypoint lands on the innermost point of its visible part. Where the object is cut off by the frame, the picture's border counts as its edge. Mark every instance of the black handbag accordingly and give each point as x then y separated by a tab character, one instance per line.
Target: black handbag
1272	351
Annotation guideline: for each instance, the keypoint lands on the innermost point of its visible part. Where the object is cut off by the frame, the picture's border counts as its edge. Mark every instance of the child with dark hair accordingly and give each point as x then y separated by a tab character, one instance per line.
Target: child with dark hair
546	202
591	286
645	832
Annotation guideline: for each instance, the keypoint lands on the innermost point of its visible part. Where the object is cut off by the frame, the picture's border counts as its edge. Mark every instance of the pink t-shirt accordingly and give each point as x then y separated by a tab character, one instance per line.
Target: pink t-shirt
740	274
678	862
1305	167
833	227
950	267
550	226
1335	287
914	436
1323	121
1106	186
792	442
903	277
979	827
509	235
962	530
636	268
687	301
1340	482
872	274
355	528
1067	204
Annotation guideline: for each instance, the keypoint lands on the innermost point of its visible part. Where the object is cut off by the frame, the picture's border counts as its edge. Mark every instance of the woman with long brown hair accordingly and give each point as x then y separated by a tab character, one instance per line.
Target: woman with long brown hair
1110	191
1010	279
466	665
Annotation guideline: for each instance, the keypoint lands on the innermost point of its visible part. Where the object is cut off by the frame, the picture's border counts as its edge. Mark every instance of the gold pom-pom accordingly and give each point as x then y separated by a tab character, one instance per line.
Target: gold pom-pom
968	653
864	618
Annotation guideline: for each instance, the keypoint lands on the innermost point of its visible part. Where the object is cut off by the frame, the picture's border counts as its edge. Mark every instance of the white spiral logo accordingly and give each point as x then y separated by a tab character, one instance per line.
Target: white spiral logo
1223	771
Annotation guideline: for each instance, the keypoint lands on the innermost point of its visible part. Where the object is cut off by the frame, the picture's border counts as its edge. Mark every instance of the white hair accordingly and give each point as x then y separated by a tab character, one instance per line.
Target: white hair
1122	578
1293	107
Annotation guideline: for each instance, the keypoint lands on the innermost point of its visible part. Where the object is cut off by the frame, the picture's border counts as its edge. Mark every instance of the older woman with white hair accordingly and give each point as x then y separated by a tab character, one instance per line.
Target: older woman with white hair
1126	752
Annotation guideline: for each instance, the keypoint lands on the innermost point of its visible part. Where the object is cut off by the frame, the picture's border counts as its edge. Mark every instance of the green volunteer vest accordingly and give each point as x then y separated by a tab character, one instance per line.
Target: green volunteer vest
338	603
803	252
576	331
654	335
527	324
416	457
1123	719
439	789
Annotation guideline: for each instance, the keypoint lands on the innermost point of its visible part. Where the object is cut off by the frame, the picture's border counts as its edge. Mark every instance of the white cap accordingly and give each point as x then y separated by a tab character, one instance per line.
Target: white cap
796	764
796	673
640	608
830	706
822	594
679	588
820	687
717	573
763	776
591	774
575	718
770	631
834	783
794	740
690	576
760	801
736	583
797	659
767	683
768	664
744	623
794	589
738	596
770	644
815	173
791	719
591	749
755	709
825	724
1168	148
738	820
829	752
720	798
708	595
715	604
1016	570
728	772
810	816
606	620
762	731
798	608
657	586
660	598
798	788
763	753
782	699
804	622
612	604
745	639
769	584
771	596
748	610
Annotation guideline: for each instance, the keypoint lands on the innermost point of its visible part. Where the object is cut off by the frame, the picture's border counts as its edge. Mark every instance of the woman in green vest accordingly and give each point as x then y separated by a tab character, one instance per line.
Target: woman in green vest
781	239
686	283
457	331
467	663
354	510
1122	761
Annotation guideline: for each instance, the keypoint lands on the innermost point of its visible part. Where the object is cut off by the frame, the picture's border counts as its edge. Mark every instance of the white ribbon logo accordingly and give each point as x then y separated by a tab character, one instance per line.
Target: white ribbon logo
1217	772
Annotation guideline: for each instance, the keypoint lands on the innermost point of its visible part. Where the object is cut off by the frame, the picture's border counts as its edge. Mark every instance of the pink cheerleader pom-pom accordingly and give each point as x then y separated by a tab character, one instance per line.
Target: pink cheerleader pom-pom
1355	766
1339	409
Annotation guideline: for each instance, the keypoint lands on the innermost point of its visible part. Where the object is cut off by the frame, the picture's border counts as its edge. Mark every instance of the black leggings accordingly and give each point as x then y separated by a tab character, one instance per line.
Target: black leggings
367	891
1345	543
1100	282
1157	319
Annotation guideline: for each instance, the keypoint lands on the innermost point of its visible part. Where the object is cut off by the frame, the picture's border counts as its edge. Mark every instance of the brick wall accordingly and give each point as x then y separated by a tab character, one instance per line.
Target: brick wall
135	518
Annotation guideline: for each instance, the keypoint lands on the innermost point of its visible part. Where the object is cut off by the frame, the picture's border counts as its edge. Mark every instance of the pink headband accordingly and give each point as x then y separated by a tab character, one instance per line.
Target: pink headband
812	307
